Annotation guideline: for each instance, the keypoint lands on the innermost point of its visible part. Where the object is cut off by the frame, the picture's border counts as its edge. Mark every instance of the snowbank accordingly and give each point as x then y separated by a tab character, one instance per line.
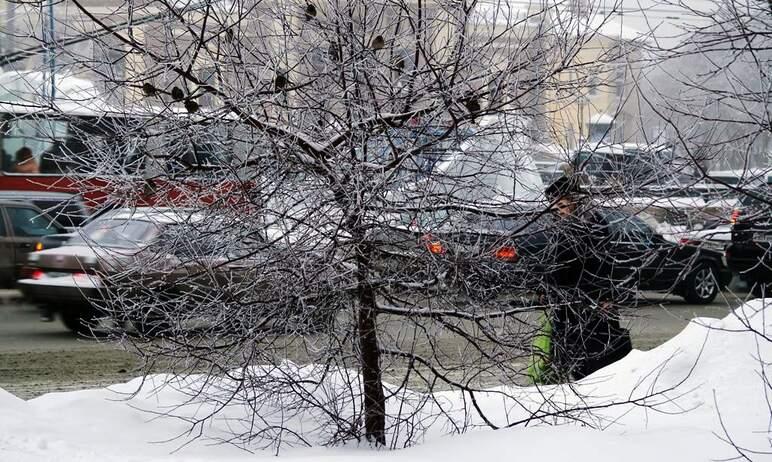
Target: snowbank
711	369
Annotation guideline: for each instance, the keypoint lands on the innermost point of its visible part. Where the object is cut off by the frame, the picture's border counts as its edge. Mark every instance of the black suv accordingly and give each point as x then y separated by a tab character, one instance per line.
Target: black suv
749	254
486	255
67	209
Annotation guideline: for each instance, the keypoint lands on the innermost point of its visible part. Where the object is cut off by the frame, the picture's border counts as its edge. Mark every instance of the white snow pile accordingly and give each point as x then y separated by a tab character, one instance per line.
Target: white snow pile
682	401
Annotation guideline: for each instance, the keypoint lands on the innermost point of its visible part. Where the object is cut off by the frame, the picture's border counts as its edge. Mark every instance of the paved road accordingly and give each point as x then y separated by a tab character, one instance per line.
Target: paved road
38	357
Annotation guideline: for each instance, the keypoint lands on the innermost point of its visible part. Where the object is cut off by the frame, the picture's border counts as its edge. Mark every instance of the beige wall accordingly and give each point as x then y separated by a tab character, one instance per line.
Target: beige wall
601	83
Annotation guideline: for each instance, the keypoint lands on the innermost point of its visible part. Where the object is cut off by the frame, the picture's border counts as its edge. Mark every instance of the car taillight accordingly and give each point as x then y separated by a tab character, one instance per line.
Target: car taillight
26	272
734	216
37	274
432	244
687	241
506	253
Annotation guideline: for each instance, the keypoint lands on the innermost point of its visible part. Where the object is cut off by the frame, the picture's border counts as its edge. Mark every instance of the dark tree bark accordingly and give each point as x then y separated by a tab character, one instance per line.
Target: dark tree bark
374	398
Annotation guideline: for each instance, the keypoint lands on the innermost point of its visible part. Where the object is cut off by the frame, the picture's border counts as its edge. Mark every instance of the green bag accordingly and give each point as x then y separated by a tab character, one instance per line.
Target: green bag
540	370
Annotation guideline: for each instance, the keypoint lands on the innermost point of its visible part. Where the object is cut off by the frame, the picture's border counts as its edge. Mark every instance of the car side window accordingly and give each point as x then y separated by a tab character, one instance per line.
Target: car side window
67	212
28	222
627	227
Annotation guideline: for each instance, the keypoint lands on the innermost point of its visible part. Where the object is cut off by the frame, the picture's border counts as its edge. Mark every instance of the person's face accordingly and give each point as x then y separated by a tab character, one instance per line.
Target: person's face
564	207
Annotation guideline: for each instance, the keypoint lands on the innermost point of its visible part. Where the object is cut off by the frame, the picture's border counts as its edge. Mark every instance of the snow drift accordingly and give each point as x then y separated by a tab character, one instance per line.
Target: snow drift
679	401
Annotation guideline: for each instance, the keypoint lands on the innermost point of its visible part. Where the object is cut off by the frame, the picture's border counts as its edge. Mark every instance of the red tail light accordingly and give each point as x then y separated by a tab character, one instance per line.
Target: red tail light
507	253
734	216
28	272
37	274
433	245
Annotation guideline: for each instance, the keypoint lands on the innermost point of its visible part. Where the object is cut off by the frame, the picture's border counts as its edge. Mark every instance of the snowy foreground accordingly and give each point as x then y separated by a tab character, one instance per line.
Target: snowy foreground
717	360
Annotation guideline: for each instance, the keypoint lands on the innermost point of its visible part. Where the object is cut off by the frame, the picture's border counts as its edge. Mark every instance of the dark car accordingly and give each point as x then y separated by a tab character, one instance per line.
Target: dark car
687	269
66	208
487	255
480	254
22	229
749	253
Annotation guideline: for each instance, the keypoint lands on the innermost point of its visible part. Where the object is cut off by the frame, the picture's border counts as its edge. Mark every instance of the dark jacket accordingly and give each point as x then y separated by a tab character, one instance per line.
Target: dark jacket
584	266
586	338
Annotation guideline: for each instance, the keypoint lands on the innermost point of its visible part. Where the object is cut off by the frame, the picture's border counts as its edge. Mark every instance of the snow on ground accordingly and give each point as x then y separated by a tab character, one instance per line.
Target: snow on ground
715	364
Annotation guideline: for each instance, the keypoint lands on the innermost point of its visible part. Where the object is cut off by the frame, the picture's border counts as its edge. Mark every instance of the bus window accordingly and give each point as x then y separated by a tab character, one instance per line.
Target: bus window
183	152
110	145
75	145
25	141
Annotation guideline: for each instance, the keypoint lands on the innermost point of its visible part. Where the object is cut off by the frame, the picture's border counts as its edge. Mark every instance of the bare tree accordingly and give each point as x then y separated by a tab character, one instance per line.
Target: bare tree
352	211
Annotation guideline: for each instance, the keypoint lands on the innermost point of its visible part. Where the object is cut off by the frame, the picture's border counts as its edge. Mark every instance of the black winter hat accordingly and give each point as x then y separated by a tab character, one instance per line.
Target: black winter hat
563	186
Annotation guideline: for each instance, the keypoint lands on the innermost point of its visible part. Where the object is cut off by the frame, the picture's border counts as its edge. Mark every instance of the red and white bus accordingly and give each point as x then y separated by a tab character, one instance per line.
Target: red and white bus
102	153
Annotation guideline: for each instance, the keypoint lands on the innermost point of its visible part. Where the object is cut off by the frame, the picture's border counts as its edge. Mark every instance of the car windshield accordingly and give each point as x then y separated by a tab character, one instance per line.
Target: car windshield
117	233
433	141
423	219
628	163
597	163
490	168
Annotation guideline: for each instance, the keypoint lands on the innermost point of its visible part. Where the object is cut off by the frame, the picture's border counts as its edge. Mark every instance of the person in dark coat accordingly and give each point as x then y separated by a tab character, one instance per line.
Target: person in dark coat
584	291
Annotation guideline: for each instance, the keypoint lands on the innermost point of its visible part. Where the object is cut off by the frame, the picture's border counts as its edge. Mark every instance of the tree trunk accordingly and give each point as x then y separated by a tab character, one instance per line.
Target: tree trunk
374	398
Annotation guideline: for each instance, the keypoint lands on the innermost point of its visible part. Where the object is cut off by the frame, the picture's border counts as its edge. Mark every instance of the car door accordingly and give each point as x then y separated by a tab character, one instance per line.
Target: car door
634	251
661	262
7	262
28	225
662	267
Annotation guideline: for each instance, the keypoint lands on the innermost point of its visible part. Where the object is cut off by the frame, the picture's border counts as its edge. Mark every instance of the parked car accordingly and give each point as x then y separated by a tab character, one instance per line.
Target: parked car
22	228
150	258
749	253
66	208
685	268
69	279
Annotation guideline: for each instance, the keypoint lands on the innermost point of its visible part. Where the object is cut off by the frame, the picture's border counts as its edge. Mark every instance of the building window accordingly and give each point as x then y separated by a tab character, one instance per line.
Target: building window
110	65
620	78
592	86
207	75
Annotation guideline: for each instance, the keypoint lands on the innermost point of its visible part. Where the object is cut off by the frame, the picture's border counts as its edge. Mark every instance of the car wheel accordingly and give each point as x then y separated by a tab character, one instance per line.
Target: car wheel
701	286
79	321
